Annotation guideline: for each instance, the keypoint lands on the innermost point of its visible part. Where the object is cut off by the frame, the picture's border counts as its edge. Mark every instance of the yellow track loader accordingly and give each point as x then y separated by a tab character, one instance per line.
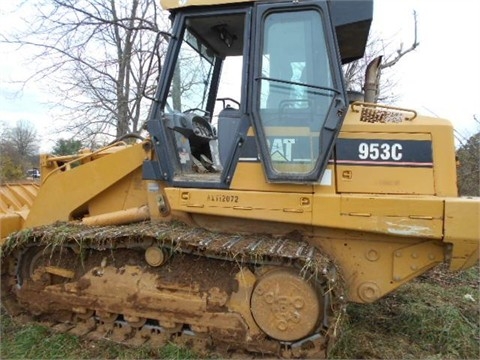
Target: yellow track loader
250	221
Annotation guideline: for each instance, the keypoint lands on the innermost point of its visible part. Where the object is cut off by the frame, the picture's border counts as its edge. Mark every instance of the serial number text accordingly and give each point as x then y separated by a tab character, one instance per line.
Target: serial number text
223	198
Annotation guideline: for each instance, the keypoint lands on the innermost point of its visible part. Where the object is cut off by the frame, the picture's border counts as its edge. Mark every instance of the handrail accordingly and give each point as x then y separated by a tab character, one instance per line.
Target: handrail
381	106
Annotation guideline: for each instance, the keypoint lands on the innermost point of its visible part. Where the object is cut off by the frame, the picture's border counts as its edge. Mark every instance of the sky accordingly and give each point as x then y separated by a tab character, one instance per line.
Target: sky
440	78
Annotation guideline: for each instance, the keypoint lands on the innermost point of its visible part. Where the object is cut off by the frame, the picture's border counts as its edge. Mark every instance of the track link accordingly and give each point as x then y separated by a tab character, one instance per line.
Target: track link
225	271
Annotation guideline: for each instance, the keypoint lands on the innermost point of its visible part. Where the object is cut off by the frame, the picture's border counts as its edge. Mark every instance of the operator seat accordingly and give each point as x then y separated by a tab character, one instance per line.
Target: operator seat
228	123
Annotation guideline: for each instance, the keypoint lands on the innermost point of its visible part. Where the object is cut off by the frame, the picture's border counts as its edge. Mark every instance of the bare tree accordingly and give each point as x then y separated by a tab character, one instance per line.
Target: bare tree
376	48
96	55
22	139
18	150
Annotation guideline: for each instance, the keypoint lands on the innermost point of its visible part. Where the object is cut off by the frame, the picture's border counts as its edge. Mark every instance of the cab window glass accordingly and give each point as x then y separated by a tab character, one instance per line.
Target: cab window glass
295	89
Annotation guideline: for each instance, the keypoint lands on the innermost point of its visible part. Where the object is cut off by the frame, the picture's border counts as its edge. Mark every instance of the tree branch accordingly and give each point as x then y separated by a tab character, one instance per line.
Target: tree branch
400	52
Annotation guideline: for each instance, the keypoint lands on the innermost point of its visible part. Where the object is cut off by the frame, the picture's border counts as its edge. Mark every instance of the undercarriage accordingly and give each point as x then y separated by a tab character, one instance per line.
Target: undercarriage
153	283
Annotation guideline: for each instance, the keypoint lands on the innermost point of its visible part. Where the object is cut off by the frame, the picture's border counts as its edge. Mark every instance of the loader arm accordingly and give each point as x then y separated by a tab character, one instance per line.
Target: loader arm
67	198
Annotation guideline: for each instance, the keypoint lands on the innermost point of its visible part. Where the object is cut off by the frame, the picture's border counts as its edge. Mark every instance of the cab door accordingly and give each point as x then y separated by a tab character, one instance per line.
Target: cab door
297	93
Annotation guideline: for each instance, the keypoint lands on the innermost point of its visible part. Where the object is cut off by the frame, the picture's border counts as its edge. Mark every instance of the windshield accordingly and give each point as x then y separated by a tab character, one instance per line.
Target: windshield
192	77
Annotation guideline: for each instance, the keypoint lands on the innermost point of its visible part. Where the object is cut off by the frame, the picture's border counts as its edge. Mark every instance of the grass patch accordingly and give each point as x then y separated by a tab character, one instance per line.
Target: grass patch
36	342
434	317
31	341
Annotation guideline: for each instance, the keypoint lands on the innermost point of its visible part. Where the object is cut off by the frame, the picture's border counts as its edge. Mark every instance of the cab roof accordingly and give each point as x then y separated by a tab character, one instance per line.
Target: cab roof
351	18
175	4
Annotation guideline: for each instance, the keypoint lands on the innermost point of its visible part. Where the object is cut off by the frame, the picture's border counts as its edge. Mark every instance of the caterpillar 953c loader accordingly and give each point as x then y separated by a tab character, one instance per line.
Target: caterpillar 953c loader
251	227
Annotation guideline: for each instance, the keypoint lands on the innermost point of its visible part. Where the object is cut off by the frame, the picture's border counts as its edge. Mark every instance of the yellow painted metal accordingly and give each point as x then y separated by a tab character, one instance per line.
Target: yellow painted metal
286	306
51	164
64	195
118	217
385	179
370	179
15	202
412	259
403	215
279	207
367	260
9	223
250	176
443	148
406	215
17	196
127	192
462	230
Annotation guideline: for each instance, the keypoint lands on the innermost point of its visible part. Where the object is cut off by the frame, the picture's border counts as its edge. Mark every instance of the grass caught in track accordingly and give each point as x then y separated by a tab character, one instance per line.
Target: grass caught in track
434	317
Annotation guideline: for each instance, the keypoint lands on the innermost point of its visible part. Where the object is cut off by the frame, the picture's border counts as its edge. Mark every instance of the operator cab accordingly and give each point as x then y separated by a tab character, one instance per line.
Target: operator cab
288	99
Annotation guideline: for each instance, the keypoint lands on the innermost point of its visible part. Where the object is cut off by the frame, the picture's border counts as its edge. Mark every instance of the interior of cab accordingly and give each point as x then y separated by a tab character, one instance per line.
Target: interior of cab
206	85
